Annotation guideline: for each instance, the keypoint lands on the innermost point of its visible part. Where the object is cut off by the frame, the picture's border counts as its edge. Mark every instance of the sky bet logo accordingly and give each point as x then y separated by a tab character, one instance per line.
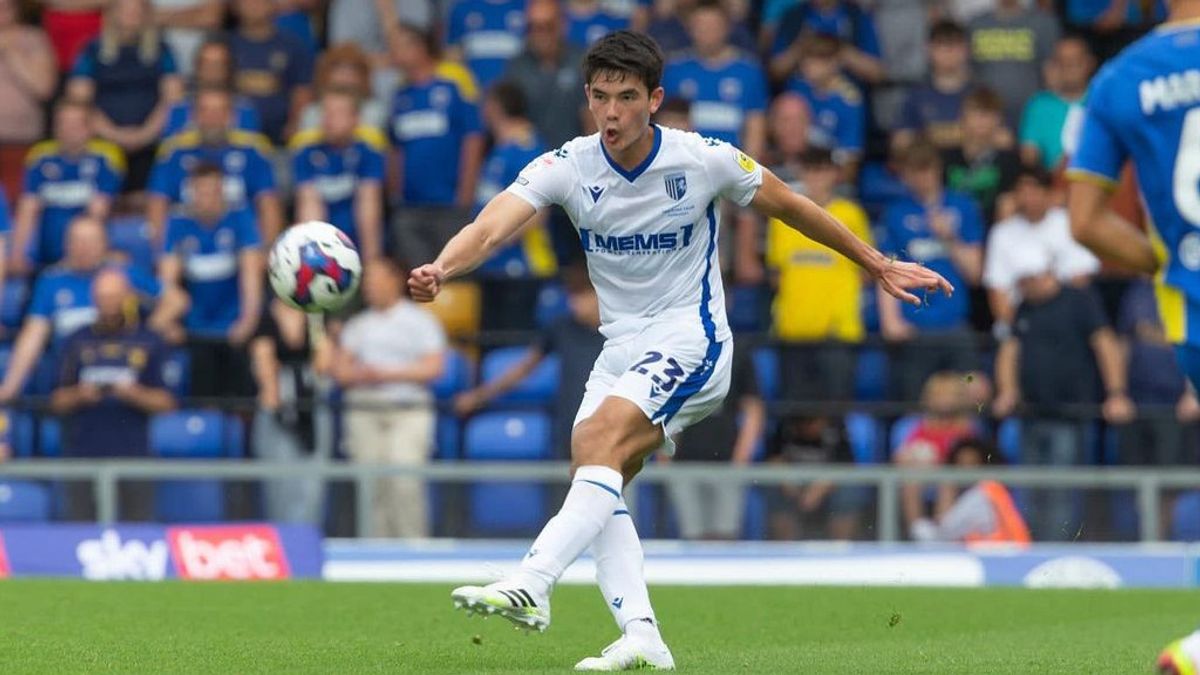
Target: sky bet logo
636	244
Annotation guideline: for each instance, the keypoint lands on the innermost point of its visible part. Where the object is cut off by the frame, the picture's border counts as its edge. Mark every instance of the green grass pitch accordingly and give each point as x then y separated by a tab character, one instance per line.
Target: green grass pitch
76	626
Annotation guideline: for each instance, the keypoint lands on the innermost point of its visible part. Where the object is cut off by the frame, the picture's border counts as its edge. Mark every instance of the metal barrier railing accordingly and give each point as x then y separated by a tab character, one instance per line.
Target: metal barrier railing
1148	483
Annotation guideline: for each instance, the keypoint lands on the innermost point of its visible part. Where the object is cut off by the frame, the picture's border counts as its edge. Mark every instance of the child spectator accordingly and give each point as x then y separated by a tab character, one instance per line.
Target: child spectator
980	166
933	109
819	508
982	513
851	28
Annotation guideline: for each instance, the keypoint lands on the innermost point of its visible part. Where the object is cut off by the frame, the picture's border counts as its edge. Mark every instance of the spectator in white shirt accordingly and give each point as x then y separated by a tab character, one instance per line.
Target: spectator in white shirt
1037	225
387	356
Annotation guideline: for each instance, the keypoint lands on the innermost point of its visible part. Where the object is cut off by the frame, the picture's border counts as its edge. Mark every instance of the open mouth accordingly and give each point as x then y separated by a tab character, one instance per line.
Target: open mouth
611	135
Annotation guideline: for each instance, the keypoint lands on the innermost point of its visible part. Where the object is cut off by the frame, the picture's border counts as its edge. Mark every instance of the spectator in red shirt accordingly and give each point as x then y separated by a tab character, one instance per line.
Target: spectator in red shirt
946	419
70	25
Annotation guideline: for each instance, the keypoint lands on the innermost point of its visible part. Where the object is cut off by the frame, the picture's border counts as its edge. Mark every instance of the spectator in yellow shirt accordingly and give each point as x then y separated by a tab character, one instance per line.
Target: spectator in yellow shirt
818	302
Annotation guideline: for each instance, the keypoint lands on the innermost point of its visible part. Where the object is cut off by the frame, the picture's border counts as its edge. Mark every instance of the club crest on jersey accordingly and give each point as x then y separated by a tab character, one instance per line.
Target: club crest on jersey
676	184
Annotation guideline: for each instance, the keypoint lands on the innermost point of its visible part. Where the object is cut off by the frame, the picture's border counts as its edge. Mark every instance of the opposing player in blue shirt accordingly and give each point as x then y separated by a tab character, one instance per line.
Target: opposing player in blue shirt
1144	106
516	145
212	255
435	130
242	156
726	89
485	34
339	172
62	302
64	177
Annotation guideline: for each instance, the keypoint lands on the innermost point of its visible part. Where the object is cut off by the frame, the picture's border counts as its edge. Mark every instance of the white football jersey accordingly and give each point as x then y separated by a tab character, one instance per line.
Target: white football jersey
650	234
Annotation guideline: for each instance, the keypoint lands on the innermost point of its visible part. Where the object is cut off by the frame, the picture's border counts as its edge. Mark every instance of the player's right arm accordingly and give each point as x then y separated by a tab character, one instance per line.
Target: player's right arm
1093	173
495	224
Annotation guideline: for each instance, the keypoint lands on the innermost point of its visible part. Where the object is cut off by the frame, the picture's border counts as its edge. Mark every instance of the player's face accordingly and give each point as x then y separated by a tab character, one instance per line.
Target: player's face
621	107
71	127
338	118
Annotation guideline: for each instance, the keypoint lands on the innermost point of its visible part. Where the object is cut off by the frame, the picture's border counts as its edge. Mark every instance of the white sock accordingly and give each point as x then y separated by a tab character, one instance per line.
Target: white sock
593	496
619	558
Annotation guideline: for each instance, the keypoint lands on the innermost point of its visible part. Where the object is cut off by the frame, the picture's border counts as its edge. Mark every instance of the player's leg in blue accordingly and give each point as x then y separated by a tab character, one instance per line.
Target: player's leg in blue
1182	657
602	445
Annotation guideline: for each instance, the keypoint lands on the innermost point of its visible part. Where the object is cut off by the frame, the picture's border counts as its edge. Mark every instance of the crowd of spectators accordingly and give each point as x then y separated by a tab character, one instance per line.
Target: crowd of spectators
151	149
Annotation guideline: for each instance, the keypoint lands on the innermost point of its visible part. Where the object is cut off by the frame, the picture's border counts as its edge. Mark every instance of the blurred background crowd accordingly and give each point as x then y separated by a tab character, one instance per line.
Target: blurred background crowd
151	149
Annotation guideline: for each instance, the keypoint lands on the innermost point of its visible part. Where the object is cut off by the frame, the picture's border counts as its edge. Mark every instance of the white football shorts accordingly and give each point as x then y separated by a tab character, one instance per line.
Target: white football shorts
672	371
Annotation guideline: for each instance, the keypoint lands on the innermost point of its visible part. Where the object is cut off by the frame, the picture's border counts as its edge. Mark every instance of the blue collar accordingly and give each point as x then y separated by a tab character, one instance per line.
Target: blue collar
638	170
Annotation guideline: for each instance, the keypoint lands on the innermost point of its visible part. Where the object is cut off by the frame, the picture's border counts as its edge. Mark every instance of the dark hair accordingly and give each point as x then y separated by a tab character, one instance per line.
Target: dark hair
985	99
1036	173
713	5
819	45
206	170
427	38
510	98
946	30
988	453
921	155
624	53
814	158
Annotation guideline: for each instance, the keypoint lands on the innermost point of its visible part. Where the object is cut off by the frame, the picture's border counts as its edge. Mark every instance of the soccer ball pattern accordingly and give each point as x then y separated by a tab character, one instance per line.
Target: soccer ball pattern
314	267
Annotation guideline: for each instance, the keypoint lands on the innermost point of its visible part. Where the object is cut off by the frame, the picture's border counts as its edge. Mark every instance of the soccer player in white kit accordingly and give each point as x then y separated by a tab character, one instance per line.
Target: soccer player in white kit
644	200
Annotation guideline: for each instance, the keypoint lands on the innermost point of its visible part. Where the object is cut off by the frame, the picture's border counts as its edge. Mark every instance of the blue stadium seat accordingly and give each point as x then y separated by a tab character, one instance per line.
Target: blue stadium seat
177	372
871	378
12	303
455	378
24	501
551	305
131	235
864	435
1185	517
507	508
193	434
766	368
449	437
539	388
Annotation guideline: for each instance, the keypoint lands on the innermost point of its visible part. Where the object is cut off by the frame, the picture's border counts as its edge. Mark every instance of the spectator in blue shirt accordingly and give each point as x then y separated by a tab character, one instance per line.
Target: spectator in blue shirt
590	20
852	27
485	34
111	383
62	302
339	172
130	74
71	174
726	89
435	130
838	117
243	157
212	255
932	109
214	68
274	68
942	230
512	277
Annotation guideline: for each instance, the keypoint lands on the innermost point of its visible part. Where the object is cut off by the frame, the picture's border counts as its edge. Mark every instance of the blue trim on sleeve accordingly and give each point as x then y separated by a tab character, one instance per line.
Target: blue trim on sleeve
621	512
601	485
640	168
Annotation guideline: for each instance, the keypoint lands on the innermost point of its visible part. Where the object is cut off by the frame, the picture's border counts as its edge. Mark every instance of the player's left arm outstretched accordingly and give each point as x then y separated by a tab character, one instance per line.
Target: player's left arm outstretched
498	222
774	199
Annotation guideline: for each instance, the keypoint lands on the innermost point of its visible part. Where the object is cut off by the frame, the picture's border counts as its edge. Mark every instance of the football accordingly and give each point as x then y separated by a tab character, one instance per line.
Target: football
314	267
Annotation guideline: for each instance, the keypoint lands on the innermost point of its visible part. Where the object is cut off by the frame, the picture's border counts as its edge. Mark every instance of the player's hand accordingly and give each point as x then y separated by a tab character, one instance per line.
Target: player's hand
898	278
1118	409
425	282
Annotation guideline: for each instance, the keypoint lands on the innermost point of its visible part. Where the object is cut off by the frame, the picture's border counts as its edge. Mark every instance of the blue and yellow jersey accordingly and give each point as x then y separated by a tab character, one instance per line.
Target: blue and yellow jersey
721	94
180	117
65	186
210	255
429	123
532	255
1144	106
243	158
336	171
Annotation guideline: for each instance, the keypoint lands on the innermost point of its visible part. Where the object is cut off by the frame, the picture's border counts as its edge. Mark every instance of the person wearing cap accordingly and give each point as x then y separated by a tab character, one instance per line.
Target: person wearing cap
1059	355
